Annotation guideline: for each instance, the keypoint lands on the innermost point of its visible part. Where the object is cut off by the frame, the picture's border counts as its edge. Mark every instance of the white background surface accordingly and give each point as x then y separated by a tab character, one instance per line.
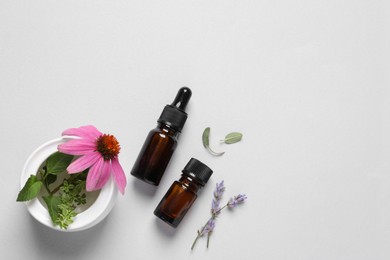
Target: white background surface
305	81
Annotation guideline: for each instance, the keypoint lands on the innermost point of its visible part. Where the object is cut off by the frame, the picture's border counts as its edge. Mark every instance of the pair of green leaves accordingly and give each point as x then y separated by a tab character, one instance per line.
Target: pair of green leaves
230	138
55	164
62	200
62	206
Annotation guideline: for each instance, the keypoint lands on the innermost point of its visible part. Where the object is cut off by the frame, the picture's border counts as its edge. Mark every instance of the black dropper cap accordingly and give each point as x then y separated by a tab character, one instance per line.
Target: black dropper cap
198	170
174	115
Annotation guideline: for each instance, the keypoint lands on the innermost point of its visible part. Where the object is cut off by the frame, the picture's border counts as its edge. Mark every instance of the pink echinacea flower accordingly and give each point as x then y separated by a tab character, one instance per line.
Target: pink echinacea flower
97	151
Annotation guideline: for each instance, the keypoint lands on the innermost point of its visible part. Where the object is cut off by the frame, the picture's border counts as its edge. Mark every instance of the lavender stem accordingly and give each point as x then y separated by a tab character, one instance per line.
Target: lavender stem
221	209
196	239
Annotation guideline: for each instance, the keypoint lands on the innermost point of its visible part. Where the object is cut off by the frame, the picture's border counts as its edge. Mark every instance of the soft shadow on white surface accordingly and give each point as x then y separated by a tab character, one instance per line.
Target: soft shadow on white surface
144	189
165	229
65	244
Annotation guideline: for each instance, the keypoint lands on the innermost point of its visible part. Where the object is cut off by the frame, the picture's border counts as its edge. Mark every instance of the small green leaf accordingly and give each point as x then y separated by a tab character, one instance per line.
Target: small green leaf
205	137
58	162
50	178
30	189
52	203
232	138
206	142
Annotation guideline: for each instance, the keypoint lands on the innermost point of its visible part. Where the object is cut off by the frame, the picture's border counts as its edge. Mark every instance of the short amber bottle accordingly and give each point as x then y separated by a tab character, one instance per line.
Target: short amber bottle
161	142
182	194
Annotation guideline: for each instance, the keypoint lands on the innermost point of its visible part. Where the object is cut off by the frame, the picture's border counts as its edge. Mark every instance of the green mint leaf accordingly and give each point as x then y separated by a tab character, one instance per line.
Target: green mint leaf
232	138
30	189
58	162
52	203
50	178
206	142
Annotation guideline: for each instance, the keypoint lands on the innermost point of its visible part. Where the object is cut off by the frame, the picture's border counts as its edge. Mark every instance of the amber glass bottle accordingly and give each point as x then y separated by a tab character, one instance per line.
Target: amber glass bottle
161	142
182	194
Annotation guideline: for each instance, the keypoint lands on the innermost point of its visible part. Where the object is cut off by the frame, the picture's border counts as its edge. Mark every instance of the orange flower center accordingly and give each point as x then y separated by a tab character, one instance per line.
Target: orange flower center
108	146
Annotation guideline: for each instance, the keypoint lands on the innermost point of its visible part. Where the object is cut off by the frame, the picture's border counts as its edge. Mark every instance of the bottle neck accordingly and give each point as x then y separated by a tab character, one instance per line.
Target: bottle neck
168	130
190	183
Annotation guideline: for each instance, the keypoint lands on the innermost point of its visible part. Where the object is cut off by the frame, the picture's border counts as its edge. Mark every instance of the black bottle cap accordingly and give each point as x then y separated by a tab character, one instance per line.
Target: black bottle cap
174	115
198	170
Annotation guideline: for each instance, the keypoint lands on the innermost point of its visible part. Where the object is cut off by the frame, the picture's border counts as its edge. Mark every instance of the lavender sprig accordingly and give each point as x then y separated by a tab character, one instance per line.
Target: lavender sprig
216	210
240	198
209	227
219	190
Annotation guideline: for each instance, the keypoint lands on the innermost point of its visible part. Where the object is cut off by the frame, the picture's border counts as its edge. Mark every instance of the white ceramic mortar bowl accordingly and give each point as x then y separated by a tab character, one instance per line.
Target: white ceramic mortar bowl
84	220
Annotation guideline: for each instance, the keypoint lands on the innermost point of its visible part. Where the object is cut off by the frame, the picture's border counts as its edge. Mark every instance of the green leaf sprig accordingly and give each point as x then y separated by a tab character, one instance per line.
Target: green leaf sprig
62	207
62	200
230	138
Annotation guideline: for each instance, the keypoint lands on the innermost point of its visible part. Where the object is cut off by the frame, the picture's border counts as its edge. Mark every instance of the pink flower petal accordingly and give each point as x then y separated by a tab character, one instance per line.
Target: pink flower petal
77	147
119	175
94	174
104	175
83	162
88	132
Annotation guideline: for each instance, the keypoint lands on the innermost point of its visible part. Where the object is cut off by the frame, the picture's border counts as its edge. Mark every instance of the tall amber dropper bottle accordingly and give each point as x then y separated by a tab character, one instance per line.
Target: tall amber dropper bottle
161	142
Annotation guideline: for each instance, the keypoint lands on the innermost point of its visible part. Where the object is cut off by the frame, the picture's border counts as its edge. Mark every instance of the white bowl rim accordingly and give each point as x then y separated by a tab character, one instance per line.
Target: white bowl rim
86	219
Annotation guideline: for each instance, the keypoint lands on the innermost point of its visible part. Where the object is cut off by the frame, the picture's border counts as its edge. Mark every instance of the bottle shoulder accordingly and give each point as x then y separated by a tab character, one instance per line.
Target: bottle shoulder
165	132
189	185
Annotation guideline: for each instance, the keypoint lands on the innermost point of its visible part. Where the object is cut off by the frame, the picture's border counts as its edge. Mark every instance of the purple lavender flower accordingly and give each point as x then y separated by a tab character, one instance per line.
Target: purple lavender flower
240	198
218	192
209	227
216	210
